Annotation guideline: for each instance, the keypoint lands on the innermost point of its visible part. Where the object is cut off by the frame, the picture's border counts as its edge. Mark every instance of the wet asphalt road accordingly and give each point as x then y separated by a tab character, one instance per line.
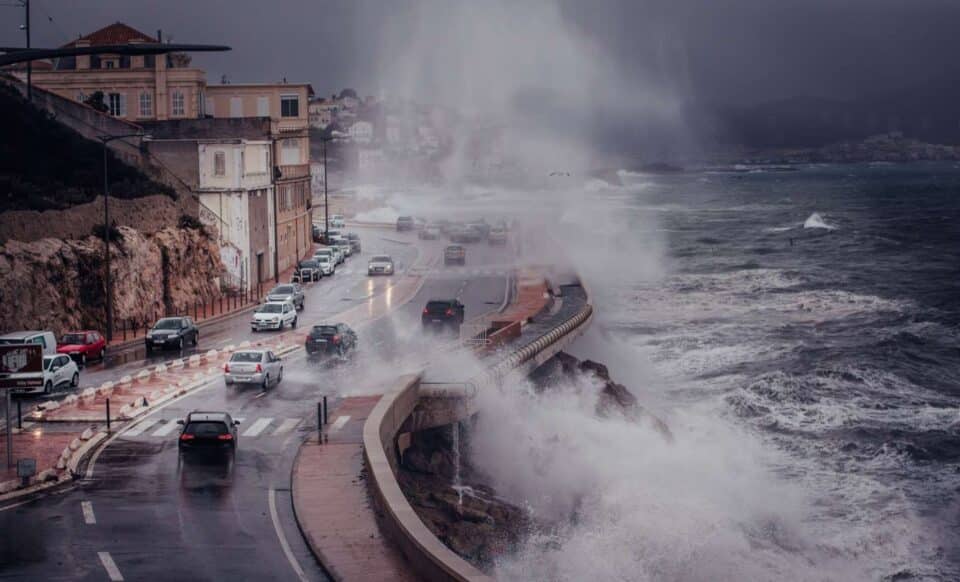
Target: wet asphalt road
159	519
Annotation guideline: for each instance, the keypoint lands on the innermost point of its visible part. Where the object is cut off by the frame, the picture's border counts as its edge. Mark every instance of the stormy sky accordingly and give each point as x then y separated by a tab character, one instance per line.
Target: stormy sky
741	51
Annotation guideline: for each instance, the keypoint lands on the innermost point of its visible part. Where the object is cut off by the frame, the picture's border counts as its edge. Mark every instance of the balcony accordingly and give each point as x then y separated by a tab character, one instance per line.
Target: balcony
292	171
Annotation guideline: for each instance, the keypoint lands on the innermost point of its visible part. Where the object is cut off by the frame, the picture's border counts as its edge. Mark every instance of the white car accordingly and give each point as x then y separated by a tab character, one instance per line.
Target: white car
274	315
338	255
336	221
261	367
325	260
380	265
57	370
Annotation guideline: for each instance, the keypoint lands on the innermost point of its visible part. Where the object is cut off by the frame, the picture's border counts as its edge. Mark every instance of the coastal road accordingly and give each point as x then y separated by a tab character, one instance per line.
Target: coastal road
143	515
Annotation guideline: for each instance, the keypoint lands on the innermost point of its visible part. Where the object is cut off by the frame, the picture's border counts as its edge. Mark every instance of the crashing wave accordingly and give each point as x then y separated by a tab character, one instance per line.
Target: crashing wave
816	221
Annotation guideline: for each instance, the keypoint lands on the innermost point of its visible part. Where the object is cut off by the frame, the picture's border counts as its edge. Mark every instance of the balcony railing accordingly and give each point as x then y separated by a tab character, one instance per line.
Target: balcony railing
292	171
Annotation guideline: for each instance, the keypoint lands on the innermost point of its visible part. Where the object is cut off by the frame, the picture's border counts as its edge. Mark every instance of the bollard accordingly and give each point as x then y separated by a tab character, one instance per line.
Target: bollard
319	422
19	417
123	324
324	410
108	416
221	303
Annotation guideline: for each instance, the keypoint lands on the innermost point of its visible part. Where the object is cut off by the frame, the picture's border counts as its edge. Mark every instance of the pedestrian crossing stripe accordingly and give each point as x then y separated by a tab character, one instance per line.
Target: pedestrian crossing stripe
261	427
257	427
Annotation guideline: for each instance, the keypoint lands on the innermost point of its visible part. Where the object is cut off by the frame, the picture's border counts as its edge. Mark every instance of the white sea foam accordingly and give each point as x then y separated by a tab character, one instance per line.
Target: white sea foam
816	221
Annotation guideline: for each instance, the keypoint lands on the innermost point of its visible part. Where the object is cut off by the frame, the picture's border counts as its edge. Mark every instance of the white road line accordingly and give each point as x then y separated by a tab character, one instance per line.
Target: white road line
257	427
141	427
272	502
286	426
338	424
111	567
165	429
88	517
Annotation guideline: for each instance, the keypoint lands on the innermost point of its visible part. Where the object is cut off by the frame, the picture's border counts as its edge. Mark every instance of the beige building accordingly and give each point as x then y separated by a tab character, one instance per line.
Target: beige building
136	88
286	104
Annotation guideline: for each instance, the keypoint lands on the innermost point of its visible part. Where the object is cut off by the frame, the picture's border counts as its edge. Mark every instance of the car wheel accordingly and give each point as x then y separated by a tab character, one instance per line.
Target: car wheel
75	381
149	349
48	387
83	359
196	338
280	375
293	324
180	344
103	354
266	383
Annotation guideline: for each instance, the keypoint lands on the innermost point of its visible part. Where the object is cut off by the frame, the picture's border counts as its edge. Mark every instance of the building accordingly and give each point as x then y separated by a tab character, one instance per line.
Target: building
286	106
135	88
228	164
321	115
361	132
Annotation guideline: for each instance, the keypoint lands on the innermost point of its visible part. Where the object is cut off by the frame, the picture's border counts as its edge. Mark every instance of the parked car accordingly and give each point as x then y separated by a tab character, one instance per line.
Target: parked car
405	223
344	245
497	236
172	332
354	239
326	263
337	221
44	338
443	313
274	315
481	227
380	265
429	232
454	255
316	233
209	432
292	293
307	271
58	369
83	346
325	238
261	367
337	339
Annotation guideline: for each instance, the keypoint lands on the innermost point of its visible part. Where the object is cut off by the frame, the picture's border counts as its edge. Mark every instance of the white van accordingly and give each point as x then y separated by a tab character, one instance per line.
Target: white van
44	338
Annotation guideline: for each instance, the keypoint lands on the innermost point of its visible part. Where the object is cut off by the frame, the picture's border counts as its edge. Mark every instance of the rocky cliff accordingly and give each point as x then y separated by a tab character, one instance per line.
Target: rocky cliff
58	284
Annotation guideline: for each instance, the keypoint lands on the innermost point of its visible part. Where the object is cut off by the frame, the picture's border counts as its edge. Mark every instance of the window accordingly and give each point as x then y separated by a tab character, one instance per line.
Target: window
290	151
146	104
109	64
118	104
178	104
289	106
263	107
236	107
219	164
208	107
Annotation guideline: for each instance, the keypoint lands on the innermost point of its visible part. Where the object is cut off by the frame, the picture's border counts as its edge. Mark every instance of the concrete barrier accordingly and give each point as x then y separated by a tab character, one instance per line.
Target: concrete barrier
429	558
126	380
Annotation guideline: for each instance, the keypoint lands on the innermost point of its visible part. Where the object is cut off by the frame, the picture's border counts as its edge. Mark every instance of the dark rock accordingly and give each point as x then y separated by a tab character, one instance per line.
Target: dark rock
596	367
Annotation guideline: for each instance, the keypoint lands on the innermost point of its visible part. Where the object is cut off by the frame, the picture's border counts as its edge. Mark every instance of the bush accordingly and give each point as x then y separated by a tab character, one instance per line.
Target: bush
115	235
192	222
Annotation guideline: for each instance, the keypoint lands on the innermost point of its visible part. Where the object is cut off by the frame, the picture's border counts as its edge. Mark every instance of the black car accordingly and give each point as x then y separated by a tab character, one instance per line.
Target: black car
454	255
405	223
317	233
325	340
443	313
354	239
307	270
208	432
172	332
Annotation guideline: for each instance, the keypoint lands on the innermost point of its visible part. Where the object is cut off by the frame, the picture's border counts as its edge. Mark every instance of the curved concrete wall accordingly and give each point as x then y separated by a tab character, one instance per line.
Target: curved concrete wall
428	556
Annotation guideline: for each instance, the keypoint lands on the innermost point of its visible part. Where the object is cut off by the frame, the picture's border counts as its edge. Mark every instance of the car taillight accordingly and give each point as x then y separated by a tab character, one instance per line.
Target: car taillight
187	437
226	368
449	312
225	437
426	311
336	339
259	368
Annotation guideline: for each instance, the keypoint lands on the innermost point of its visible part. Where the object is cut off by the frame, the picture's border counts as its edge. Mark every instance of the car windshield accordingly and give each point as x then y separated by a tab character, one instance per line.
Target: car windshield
271	308
307	264
436	306
245	357
73	338
47	360
323	259
206	428
380	259
170	323
282	290
323	330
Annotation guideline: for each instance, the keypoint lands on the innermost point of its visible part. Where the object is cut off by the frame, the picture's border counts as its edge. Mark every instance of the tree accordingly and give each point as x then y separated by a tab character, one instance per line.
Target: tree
96	101
348	93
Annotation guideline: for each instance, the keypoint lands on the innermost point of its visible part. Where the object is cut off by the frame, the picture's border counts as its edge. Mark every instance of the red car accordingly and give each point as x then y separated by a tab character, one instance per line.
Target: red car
83	345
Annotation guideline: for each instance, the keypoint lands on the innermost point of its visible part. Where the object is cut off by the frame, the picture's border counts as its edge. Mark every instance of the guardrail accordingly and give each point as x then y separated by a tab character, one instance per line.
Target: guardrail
427	555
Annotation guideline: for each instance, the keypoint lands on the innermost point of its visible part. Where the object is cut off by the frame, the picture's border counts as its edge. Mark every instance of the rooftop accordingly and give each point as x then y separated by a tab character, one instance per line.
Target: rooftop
116	33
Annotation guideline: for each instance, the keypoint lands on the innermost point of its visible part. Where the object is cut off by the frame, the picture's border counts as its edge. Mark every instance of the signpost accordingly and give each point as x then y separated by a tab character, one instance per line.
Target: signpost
21	366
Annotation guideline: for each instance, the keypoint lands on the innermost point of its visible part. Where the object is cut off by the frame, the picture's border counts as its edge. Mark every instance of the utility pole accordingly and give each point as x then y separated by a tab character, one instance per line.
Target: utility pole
326	203
26	5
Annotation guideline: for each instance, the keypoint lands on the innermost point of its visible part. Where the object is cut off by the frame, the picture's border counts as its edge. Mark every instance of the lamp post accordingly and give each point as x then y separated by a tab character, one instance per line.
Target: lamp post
105	139
326	203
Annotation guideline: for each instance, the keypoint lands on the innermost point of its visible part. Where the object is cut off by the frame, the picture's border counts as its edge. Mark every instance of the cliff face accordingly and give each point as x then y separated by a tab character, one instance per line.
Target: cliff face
58	285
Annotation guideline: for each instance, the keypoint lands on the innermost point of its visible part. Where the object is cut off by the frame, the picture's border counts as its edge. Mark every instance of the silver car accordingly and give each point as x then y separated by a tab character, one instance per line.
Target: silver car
260	367
291	292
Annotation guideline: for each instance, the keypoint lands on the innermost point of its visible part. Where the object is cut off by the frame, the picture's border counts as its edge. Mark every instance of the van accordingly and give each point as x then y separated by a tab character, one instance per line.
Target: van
44	338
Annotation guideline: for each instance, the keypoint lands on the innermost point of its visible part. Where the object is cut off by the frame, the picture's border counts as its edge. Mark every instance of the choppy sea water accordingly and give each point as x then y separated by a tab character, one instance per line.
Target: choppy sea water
820	310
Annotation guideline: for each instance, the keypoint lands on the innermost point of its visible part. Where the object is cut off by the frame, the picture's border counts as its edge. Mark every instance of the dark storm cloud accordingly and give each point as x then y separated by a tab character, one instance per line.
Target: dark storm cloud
727	50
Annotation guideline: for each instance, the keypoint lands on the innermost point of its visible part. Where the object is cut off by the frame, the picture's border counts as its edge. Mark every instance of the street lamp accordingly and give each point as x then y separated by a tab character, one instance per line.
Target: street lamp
105	139
326	204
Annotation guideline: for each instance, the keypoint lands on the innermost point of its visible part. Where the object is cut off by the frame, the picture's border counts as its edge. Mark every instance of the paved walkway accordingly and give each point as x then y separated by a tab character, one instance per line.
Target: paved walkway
333	506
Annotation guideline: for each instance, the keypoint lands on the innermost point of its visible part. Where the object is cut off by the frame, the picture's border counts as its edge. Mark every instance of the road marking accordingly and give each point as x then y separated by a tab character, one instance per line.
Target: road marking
141	427
166	429
257	427
272	502
286	426
111	567
88	517
338	424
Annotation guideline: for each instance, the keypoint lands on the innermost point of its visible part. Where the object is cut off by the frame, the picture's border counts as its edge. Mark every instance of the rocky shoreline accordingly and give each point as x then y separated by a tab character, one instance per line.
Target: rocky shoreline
456	501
